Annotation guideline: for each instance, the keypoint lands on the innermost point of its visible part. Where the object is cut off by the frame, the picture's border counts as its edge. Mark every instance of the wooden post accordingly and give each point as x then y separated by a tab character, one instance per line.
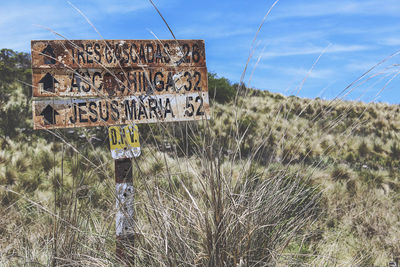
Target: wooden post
124	218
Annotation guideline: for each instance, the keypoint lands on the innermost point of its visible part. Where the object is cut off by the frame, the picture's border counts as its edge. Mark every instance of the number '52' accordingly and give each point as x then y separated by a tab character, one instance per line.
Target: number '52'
190	107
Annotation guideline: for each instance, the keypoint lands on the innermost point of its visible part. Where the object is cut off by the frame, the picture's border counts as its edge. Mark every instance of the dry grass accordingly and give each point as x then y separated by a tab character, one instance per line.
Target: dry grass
269	180
225	201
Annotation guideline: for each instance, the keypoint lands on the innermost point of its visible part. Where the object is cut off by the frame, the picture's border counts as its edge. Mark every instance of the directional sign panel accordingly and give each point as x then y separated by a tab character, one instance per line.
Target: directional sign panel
116	82
80	83
120	110
79	54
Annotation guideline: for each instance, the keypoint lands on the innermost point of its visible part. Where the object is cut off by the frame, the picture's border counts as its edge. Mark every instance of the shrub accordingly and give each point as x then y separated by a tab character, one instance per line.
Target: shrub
30	181
221	88
340	172
10	175
371	178
351	187
46	160
378	148
395	151
247	125
14	67
363	149
350	158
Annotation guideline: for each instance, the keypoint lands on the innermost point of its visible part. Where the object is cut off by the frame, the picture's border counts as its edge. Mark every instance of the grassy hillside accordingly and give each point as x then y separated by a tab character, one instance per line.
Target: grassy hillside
268	180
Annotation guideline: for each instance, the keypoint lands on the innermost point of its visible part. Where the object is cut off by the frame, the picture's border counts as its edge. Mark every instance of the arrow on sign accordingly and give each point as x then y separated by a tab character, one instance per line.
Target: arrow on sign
49	115
49	56
48	82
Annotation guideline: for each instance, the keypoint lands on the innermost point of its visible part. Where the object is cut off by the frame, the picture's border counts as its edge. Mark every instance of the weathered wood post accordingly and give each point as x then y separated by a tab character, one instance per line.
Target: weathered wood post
124	225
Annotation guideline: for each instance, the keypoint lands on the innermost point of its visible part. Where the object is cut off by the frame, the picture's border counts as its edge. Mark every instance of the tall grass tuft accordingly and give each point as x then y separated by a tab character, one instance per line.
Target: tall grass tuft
245	219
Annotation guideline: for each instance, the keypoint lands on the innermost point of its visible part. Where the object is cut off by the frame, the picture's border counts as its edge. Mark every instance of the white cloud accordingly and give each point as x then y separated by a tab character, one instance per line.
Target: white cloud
297	73
339	7
313	50
361	66
391	41
295	37
213	31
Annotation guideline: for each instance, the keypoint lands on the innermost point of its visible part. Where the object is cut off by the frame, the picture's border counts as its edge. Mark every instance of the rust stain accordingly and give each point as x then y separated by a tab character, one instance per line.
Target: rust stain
115	82
67	113
49	54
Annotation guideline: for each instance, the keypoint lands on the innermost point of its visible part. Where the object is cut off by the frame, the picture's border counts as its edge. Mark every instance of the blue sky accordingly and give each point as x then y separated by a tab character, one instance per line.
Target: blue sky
313	48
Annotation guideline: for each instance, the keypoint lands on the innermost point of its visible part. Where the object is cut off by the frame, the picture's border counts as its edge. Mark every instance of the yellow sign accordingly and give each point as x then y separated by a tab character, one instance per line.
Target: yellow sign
124	141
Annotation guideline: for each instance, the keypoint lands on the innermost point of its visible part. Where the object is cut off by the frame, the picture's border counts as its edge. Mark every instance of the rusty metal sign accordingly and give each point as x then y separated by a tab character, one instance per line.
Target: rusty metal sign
116	82
66	113
80	54
112	82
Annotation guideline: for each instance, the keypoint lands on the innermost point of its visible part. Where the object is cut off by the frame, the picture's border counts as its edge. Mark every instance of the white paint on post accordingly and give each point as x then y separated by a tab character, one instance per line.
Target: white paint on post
124	205
129	152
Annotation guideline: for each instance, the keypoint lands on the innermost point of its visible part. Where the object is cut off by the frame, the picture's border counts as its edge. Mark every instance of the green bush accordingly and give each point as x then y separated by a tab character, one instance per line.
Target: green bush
220	89
14	68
